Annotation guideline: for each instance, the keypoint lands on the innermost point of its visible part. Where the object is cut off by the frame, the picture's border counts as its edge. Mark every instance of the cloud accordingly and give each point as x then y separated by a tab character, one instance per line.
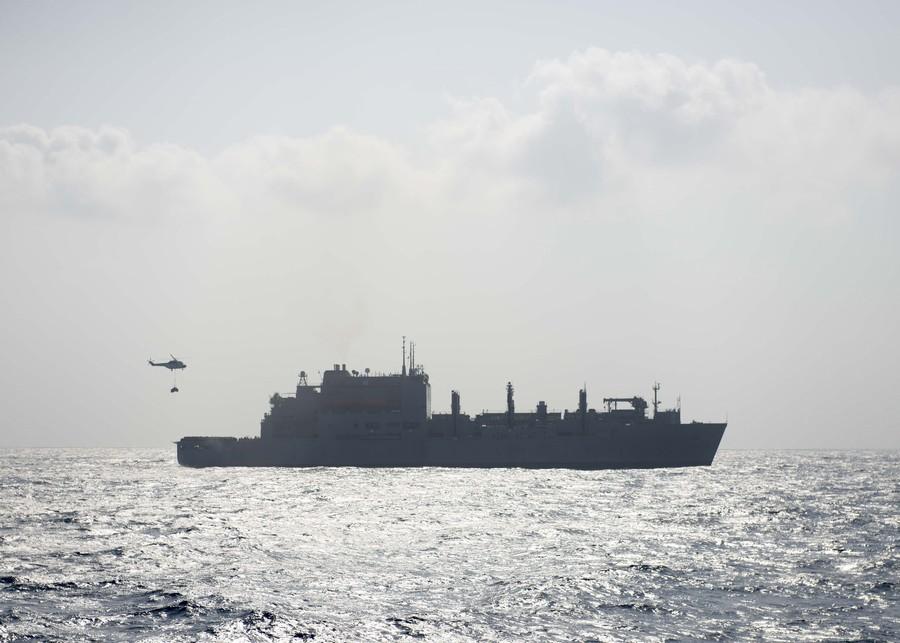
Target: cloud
650	131
663	85
607	132
339	173
101	173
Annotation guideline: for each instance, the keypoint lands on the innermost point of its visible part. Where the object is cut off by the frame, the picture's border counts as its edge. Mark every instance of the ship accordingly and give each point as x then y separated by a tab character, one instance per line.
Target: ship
364	419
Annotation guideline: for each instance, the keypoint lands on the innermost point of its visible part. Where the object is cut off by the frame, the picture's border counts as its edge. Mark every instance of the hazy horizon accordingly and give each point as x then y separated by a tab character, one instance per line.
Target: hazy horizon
553	194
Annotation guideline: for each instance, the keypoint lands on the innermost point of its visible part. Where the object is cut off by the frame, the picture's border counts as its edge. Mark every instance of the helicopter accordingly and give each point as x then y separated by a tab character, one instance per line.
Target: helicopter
173	365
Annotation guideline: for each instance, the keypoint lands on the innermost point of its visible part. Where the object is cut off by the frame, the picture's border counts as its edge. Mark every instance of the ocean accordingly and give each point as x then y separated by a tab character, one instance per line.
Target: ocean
125	545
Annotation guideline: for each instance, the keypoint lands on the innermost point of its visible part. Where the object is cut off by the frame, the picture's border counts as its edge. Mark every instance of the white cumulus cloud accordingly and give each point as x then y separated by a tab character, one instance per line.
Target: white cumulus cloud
607	130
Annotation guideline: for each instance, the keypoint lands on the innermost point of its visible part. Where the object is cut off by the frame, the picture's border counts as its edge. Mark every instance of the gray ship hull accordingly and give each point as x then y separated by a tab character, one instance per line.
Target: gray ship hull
650	445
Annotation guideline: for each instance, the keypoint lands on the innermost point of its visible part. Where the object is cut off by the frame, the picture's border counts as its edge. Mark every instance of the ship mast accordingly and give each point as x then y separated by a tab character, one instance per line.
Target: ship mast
582	406
655	399
403	372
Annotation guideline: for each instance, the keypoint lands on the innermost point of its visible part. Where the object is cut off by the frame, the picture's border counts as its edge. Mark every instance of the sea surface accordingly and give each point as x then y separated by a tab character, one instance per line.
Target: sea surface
766	545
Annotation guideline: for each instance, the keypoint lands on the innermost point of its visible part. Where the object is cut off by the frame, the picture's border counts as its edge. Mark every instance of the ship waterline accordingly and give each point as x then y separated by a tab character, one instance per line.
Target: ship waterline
354	419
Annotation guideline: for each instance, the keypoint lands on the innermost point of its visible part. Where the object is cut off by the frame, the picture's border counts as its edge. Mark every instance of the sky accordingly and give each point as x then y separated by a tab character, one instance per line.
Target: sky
703	194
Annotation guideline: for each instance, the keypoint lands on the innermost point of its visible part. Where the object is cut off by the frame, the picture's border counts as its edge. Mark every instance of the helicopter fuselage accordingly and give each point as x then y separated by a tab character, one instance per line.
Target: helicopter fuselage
172	365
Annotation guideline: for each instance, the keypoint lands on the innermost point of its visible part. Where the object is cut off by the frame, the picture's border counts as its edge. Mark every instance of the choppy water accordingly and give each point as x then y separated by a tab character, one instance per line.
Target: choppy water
127	545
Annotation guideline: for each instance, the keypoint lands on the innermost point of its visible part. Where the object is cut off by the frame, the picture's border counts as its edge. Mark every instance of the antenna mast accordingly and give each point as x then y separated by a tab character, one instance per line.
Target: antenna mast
403	372
655	399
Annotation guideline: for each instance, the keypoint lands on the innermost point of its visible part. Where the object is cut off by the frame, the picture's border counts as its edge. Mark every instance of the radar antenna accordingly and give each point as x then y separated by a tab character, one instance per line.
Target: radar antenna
302	381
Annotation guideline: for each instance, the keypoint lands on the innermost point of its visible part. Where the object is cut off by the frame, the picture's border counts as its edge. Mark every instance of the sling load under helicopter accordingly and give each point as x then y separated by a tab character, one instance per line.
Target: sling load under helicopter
173	365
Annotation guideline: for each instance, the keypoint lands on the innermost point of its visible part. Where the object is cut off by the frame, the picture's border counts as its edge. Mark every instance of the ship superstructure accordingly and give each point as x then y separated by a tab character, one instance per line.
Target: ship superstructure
357	418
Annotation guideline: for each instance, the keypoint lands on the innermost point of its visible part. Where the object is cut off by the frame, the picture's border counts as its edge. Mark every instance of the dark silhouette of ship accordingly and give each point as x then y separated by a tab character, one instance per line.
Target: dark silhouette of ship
385	420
